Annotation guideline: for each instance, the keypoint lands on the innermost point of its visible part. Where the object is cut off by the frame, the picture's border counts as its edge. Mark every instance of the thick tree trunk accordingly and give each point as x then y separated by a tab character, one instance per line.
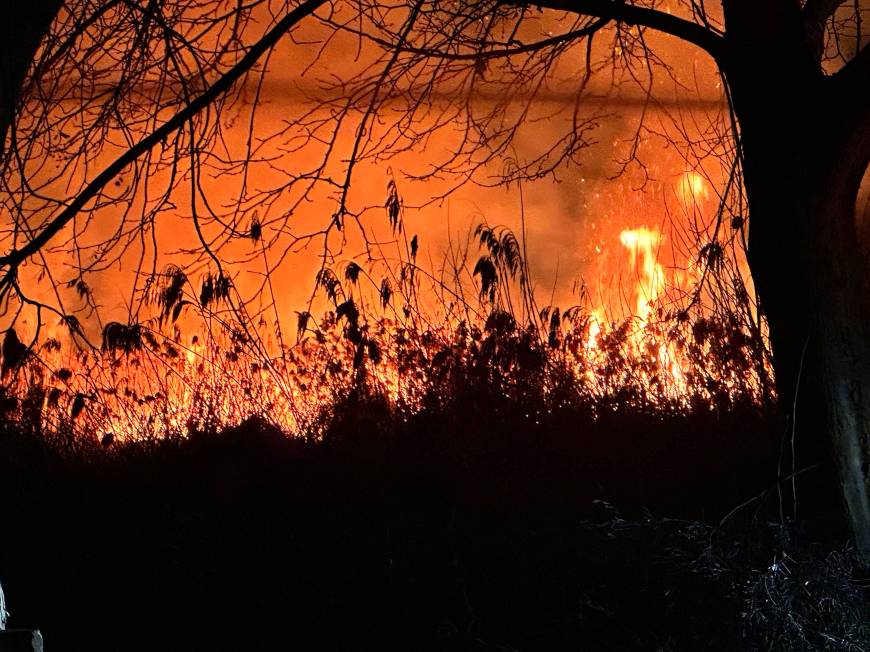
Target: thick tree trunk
805	260
23	25
805	150
841	324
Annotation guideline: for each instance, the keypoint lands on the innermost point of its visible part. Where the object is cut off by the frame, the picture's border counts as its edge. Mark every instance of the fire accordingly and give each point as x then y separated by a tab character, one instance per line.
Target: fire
642	245
646	345
692	189
168	386
650	345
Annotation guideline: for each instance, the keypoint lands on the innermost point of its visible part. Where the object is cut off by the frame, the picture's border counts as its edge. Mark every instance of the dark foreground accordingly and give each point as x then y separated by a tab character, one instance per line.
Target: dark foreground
480	532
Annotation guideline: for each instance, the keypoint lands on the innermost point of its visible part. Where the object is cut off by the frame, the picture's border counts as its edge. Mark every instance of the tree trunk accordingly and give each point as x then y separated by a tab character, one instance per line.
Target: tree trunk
23	26
804	156
841	324
807	268
811	280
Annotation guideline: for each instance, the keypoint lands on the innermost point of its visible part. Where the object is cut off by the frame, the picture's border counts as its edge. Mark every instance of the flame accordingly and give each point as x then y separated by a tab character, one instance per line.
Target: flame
692	189
168	388
642	245
645	340
596	324
649	345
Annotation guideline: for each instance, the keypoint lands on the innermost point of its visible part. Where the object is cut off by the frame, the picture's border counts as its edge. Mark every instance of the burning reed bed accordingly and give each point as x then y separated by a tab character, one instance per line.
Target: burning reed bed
405	336
406	478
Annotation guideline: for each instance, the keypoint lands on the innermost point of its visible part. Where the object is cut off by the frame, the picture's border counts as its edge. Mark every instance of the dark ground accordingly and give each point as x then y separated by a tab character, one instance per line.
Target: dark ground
482	531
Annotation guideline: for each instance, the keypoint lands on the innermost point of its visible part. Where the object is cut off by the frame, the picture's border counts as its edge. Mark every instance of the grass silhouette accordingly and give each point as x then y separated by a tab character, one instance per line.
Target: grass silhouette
412	480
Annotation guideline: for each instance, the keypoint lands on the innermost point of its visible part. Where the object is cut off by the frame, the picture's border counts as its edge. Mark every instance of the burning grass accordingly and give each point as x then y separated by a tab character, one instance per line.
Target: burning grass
398	332
442	487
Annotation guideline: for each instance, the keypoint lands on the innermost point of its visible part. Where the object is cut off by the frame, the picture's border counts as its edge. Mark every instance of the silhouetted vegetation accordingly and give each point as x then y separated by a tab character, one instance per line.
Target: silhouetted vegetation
484	520
405	479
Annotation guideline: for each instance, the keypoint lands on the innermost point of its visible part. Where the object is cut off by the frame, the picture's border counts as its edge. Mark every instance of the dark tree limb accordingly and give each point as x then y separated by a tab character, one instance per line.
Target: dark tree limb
23	25
15	257
631	14
815	15
818	11
854	78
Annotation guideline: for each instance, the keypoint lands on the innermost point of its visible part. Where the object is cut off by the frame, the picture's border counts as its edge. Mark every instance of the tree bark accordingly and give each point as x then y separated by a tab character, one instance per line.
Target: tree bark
805	260
805	149
842	327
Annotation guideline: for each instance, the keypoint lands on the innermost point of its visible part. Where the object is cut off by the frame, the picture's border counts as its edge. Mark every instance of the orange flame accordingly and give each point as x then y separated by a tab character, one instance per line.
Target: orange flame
642	245
645	340
168	387
692	189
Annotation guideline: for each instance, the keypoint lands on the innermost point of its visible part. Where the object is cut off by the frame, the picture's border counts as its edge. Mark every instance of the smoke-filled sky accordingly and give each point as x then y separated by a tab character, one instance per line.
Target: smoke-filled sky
571	218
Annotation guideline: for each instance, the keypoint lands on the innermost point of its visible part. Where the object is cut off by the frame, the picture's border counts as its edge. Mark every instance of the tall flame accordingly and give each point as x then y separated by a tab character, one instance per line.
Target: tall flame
642	245
646	339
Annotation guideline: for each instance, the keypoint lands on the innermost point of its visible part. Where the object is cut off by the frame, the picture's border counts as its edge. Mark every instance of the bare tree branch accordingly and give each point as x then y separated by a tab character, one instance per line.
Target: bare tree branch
630	14
852	84
856	75
15	257
815	15
818	11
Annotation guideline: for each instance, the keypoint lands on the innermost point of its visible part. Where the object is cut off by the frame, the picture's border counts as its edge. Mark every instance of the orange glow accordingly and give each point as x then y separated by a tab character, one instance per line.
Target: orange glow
642	246
627	341
692	189
171	385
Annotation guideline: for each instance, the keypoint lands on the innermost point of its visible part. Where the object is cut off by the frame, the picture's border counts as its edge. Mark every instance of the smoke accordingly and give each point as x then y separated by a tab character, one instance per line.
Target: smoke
623	176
